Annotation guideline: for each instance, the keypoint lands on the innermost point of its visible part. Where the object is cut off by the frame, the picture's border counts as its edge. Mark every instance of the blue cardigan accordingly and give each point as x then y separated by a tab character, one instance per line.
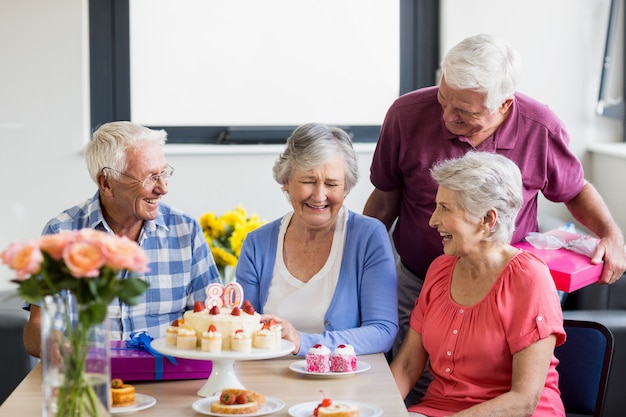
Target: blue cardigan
364	309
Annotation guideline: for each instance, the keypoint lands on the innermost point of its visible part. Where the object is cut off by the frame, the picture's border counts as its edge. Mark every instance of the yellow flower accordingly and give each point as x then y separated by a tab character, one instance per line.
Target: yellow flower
222	257
211	227
225	234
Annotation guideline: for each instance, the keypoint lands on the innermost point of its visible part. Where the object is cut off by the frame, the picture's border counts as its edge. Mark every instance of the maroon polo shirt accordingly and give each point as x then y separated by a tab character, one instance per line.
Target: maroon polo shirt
413	137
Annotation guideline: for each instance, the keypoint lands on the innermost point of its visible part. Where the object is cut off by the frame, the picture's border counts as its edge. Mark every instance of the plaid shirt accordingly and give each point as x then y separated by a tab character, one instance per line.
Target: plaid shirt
181	266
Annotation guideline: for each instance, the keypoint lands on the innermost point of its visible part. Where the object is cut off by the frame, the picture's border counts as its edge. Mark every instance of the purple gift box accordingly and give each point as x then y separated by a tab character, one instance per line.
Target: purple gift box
136	362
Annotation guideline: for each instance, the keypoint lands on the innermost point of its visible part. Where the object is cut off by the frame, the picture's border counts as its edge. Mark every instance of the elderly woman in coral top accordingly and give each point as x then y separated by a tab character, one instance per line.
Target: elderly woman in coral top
489	317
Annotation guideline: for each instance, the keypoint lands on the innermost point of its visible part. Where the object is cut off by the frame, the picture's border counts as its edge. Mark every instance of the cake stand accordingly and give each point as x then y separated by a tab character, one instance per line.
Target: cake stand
223	370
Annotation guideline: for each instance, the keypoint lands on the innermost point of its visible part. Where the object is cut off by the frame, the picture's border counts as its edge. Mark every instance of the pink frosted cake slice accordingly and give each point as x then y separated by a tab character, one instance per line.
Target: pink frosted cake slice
318	359
343	359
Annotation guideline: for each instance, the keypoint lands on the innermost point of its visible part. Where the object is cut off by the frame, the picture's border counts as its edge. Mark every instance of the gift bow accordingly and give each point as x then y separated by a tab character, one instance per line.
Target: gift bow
142	340
584	245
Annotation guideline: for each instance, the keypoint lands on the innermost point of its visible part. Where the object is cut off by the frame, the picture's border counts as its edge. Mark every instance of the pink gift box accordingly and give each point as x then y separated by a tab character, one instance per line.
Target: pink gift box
135	364
570	270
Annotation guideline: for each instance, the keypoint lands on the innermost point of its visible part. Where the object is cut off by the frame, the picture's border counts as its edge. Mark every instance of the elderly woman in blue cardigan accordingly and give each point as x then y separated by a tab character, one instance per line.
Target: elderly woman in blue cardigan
324	273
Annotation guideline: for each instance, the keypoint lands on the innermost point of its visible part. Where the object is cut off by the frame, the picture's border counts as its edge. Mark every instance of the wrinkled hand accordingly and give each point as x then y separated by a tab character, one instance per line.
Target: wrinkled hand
610	250
288	331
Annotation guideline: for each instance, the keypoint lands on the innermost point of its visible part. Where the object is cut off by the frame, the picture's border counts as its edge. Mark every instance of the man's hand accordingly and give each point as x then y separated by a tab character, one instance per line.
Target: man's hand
613	253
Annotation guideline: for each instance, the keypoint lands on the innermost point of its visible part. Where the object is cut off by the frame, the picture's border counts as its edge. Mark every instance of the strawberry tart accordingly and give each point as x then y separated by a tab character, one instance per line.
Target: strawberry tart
238	401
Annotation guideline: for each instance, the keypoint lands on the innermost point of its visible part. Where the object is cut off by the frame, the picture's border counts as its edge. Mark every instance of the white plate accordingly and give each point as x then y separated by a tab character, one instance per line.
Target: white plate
141	403
271	405
286	347
306	409
300	367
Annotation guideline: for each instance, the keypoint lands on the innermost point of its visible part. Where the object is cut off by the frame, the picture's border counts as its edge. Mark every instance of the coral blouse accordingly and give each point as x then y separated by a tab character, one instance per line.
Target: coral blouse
471	348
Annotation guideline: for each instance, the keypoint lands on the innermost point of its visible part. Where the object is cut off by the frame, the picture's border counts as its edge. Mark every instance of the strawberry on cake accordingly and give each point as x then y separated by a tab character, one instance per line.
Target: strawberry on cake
269	336
211	340
277	330
318	359
343	359
171	332
263	339
241	342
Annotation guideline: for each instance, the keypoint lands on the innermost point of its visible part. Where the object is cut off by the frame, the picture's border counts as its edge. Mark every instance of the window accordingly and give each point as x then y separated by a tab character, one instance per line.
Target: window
244	71
612	76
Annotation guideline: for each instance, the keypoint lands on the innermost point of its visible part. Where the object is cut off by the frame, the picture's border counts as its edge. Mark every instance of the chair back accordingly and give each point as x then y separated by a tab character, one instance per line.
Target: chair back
584	364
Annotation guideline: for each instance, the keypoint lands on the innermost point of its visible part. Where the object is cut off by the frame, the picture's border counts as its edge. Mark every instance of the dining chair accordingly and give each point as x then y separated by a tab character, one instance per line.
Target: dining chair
584	363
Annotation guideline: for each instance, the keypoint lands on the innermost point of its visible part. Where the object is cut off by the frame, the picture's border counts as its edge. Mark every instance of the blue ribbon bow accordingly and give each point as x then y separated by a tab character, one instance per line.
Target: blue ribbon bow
142	340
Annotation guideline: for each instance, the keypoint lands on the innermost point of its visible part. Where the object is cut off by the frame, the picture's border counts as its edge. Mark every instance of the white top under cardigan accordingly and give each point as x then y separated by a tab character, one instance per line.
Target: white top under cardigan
306	303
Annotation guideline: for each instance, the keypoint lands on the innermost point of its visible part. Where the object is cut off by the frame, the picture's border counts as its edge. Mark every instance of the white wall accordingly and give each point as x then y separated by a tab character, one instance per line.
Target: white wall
44	107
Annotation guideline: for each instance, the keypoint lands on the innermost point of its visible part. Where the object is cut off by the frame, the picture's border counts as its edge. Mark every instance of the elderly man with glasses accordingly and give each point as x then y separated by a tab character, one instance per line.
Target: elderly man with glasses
127	162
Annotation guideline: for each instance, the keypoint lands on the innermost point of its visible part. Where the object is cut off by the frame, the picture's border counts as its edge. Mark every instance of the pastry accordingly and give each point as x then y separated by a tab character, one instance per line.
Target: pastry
241	342
171	332
318	359
343	359
238	401
269	336
211	340
264	339
122	395
339	410
186	338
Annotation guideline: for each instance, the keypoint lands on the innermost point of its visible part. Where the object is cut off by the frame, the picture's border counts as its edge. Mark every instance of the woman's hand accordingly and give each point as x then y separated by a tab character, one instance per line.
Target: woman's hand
288	332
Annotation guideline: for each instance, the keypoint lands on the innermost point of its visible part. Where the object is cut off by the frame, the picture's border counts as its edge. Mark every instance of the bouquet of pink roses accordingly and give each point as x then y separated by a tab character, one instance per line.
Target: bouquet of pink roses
86	264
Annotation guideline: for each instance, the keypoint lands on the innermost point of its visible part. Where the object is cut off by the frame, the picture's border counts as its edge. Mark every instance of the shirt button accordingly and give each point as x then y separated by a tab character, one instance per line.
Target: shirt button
449	353
448	370
461	311
539	318
455	331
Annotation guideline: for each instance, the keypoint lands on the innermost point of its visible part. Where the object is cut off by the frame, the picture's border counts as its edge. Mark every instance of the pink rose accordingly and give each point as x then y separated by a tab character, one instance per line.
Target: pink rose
91	235
123	253
55	243
84	259
24	258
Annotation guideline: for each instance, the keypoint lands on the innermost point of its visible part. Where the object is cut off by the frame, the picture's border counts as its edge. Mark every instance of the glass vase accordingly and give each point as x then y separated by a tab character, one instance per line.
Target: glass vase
75	361
228	274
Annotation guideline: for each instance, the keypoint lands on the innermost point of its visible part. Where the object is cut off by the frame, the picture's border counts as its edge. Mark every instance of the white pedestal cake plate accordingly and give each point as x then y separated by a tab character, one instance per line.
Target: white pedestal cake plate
223	371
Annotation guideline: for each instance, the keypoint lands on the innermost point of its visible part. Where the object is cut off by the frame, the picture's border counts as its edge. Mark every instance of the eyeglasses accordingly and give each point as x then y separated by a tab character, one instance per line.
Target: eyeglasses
152	179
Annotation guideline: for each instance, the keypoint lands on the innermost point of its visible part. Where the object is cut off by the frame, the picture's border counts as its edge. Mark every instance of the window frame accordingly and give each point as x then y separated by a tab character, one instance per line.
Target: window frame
109	36
605	105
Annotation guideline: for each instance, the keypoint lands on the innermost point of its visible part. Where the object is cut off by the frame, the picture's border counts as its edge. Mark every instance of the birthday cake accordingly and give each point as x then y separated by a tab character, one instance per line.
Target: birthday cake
224	311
